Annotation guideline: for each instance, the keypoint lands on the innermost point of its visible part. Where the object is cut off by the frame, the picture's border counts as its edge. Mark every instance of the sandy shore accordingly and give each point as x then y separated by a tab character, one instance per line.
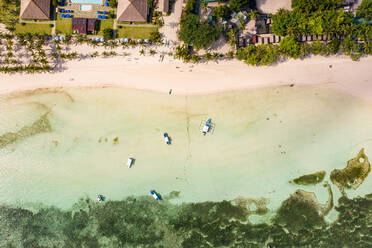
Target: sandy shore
146	72
271	6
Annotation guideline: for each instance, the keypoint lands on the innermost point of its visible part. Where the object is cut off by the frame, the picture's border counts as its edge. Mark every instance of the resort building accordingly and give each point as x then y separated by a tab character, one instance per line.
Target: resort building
35	9
132	11
163	6
83	25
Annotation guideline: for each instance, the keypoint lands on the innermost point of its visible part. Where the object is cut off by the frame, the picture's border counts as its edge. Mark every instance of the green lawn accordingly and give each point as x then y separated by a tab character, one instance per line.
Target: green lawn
63	25
33	28
105	24
135	32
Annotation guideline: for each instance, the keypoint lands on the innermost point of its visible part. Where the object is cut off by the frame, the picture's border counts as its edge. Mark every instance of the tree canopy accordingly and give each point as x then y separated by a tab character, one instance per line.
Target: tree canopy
309	6
195	33
312	17
365	9
290	47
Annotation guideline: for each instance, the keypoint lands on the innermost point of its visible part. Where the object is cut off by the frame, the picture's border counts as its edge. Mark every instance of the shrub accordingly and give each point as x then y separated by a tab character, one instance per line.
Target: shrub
290	47
333	46
108	33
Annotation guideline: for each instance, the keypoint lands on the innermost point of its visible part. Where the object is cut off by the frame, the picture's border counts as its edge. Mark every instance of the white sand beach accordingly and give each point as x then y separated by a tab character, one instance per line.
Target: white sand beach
271	6
146	72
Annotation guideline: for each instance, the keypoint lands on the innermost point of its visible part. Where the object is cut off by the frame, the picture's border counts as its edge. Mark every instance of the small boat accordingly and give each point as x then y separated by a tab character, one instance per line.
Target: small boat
100	198
130	162
153	193
207	126
166	138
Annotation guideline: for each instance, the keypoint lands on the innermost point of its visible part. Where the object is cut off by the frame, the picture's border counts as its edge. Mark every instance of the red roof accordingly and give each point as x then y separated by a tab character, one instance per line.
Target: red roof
254	39
83	25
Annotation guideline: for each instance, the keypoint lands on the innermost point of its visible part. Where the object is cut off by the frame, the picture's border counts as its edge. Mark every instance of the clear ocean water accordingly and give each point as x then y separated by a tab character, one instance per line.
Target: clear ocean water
261	139
87	1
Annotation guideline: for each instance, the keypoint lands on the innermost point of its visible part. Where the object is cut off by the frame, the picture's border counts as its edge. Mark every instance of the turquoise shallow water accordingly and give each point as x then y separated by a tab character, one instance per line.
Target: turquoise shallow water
58	146
261	139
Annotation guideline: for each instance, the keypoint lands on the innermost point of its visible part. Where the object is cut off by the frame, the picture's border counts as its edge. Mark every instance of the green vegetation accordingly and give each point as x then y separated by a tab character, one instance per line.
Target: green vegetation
101	25
134	32
312	17
9	12
265	54
314	178
155	36
290	47
108	33
63	26
318	17
236	5
365	9
142	222
33	28
221	11
113	3
353	175
193	32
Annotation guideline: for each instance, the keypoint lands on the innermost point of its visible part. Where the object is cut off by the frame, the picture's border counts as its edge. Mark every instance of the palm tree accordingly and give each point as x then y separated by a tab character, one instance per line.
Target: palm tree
230	54
208	56
216	56
142	52
113	44
253	14
204	6
195	58
95	54
152	52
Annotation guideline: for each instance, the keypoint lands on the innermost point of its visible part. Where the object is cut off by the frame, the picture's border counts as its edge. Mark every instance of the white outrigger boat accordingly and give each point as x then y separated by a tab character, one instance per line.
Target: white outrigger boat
166	138
153	193
130	162
207	126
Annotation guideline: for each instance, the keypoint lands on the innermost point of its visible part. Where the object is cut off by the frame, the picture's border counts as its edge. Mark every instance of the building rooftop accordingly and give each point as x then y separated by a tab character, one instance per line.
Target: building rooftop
132	11
35	9
83	25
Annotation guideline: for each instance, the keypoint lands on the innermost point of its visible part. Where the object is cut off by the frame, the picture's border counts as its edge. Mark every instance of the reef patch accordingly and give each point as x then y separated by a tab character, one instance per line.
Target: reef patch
353	175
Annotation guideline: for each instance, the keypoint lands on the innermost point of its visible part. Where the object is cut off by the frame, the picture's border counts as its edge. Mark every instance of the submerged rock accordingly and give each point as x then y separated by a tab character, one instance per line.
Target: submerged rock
42	125
353	175
308	179
300	211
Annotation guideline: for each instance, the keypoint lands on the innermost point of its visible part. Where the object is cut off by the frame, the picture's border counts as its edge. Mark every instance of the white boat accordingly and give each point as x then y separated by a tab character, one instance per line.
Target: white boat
130	162
100	198
153	193
166	138
207	127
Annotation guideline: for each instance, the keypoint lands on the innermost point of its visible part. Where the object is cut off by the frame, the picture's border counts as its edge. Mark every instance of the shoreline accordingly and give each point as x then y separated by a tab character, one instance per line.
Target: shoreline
147	73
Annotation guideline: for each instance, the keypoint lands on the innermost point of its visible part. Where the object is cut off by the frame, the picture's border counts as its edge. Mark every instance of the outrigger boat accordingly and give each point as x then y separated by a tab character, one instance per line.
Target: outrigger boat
153	193
166	138
207	126
130	162
100	198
